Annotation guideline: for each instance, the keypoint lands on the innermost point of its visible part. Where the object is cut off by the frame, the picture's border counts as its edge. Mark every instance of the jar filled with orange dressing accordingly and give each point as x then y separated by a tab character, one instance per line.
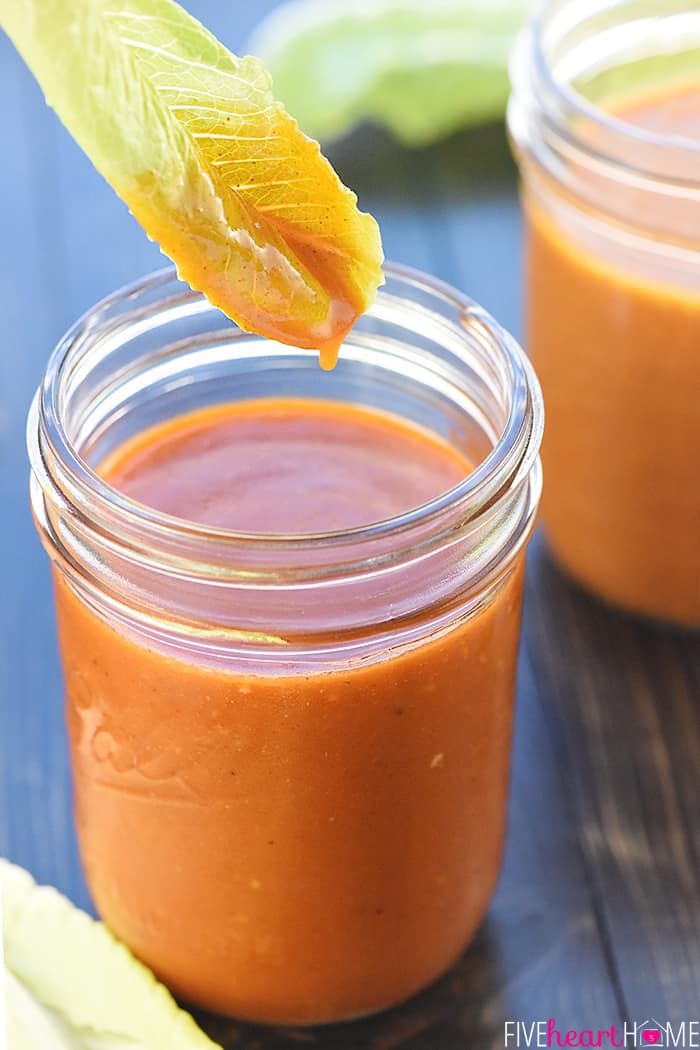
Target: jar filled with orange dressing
605	120
288	607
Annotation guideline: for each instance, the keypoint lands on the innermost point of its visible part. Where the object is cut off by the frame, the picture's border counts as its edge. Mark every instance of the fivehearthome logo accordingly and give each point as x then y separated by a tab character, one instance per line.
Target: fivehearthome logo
532	1035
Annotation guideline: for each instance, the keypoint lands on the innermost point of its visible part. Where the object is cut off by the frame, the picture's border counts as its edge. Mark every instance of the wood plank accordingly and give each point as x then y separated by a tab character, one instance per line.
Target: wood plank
625	694
36	826
477	243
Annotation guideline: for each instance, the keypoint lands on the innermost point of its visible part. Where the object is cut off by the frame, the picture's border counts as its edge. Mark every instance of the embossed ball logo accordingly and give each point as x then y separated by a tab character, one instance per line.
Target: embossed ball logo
652	1036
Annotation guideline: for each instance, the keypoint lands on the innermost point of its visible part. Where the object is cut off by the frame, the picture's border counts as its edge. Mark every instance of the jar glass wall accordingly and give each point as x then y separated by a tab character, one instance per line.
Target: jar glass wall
605	120
290	753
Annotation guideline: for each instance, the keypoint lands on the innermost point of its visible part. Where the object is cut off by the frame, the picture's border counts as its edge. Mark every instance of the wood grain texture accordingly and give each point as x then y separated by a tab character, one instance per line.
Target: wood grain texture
597	917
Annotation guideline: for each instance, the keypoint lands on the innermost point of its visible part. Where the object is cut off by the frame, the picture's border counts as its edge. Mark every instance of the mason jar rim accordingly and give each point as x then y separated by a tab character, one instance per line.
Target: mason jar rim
533	81
508	463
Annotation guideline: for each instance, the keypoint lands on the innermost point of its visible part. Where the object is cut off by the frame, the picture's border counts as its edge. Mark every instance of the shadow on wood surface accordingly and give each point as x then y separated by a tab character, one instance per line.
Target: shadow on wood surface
622	700
450	1015
372	162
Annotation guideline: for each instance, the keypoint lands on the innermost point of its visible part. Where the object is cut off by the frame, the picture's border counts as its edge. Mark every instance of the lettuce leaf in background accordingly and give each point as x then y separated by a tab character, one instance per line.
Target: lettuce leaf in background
70	985
422	68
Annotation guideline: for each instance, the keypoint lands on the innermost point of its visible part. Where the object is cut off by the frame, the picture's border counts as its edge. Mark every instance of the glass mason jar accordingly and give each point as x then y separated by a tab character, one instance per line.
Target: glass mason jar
290	753
605	121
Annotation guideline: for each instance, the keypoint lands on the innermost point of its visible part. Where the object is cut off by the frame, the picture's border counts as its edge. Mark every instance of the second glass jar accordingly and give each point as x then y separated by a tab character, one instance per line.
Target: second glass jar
605	119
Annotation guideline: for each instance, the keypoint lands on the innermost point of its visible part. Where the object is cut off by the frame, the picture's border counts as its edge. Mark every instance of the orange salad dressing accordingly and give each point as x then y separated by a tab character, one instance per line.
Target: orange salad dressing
303	846
617	353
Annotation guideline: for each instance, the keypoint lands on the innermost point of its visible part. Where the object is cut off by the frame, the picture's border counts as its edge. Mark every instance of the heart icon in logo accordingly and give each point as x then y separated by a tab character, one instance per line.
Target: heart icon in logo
653	1035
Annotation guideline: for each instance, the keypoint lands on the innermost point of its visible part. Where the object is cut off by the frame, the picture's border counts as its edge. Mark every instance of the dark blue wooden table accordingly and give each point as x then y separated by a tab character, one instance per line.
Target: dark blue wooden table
597	919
